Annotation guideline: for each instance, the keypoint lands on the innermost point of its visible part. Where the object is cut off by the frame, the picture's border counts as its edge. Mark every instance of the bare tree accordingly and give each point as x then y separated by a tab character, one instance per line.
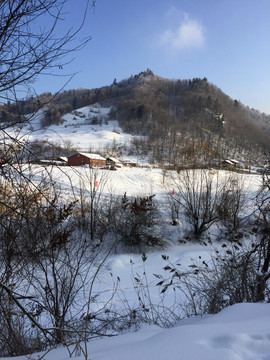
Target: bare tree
206	286
232	203
262	231
27	50
92	185
198	192
57	280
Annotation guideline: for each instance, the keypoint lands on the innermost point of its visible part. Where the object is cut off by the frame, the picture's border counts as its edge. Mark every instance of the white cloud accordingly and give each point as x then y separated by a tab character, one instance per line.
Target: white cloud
190	34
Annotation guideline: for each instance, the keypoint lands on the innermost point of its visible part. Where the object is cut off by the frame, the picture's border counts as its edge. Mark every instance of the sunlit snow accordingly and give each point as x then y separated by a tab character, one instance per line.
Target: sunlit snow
241	332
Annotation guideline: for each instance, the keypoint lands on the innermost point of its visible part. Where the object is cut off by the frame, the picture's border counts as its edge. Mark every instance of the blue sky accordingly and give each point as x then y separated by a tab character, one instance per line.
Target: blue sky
227	41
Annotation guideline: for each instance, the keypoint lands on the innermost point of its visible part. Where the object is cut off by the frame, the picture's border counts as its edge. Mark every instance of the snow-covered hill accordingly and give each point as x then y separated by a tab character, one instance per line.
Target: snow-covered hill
87	128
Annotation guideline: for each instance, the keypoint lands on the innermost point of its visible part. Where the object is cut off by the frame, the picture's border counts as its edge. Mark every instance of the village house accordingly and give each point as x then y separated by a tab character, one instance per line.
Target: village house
113	162
81	158
236	163
64	159
230	164
130	163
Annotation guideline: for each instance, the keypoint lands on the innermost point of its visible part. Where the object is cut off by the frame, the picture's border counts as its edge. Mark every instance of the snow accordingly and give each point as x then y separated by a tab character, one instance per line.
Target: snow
240	332
92	156
76	129
229	335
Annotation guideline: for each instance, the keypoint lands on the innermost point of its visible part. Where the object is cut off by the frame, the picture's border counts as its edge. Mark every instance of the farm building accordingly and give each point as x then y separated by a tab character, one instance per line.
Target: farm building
230	164
93	160
226	164
130	163
111	161
236	163
64	159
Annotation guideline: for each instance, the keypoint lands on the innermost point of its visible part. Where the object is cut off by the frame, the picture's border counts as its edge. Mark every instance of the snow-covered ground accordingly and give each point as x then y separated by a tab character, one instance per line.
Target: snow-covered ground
76	129
241	332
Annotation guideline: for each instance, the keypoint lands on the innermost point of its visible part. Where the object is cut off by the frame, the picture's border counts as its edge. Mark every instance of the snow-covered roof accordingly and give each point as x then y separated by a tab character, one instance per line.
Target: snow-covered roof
93	156
63	158
90	156
113	159
235	161
228	162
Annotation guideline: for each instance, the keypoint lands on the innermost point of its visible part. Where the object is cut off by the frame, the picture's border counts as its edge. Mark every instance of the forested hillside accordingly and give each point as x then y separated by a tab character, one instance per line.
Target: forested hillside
183	121
189	120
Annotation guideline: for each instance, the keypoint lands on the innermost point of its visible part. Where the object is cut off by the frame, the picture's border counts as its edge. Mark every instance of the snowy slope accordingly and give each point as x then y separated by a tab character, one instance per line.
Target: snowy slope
76	129
241	332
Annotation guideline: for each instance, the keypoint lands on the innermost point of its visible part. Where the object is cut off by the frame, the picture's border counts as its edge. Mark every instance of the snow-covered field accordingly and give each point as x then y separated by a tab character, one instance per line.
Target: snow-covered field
240	332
